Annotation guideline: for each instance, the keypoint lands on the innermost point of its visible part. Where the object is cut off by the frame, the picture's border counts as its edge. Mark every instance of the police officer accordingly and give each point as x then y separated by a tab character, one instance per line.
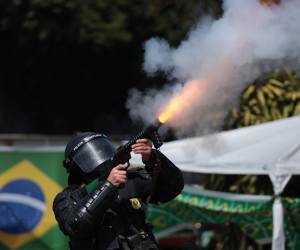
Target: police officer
111	215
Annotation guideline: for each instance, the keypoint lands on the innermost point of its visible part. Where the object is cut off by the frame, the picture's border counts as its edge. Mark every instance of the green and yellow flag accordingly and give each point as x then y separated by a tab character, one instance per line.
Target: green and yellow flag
29	182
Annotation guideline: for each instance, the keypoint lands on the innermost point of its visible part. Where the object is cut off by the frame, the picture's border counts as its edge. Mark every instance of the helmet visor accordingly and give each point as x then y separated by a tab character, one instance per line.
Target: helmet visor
93	153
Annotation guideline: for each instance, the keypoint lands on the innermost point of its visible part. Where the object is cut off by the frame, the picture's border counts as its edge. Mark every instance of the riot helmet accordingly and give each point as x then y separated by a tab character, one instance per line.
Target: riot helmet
87	151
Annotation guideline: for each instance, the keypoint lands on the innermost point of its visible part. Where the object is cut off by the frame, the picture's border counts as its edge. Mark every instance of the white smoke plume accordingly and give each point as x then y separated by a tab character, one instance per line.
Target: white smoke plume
222	56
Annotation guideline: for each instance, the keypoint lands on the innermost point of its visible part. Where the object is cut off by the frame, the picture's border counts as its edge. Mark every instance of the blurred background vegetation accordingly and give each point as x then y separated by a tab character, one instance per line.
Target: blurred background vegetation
67	65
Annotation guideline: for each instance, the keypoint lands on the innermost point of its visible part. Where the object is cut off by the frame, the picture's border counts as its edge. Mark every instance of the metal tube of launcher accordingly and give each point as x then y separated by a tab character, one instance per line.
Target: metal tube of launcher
150	132
145	133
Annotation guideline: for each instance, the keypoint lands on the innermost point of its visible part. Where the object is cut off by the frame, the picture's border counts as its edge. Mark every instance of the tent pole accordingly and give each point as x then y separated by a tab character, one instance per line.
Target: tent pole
279	181
278	237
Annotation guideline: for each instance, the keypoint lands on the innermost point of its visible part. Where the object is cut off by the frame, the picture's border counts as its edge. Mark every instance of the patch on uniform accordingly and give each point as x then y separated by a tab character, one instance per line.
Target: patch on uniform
135	203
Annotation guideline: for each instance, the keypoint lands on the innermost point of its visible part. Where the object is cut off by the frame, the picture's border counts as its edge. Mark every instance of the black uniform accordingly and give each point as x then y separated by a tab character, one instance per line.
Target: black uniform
114	218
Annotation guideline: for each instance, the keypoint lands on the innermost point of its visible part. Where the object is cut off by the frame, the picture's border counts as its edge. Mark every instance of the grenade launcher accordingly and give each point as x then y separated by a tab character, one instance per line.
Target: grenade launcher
122	154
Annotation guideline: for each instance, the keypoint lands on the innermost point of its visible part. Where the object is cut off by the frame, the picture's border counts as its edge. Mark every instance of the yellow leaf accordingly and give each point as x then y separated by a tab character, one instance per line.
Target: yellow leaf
276	82
261	98
250	89
268	92
277	91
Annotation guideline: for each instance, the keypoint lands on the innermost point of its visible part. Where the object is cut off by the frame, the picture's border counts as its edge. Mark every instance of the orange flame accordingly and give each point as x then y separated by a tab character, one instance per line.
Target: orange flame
269	2
180	102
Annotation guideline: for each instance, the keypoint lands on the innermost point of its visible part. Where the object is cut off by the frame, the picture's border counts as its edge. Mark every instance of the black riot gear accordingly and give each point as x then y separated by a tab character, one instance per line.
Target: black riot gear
87	151
112	217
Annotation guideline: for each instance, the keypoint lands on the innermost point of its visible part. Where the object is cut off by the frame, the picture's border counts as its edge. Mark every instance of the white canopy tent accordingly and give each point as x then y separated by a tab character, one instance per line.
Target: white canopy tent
268	149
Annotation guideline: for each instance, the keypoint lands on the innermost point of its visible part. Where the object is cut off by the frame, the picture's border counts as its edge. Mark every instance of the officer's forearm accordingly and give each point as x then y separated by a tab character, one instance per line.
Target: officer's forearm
91	210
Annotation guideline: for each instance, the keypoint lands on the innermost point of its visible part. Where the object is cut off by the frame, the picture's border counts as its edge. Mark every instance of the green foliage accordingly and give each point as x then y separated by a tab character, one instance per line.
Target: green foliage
268	99
49	47
101	22
67	20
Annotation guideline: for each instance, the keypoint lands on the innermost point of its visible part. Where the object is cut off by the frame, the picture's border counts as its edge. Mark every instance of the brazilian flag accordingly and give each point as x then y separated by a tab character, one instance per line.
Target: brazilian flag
29	182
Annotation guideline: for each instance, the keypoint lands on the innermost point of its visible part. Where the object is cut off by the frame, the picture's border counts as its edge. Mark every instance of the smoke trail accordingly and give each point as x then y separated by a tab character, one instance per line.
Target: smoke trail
223	56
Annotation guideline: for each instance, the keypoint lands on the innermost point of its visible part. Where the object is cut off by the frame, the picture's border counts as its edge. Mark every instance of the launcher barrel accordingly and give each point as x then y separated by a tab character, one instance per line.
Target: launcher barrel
150	132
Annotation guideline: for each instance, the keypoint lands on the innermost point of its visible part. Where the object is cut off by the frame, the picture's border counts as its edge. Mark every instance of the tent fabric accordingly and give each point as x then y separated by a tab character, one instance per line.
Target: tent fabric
272	147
